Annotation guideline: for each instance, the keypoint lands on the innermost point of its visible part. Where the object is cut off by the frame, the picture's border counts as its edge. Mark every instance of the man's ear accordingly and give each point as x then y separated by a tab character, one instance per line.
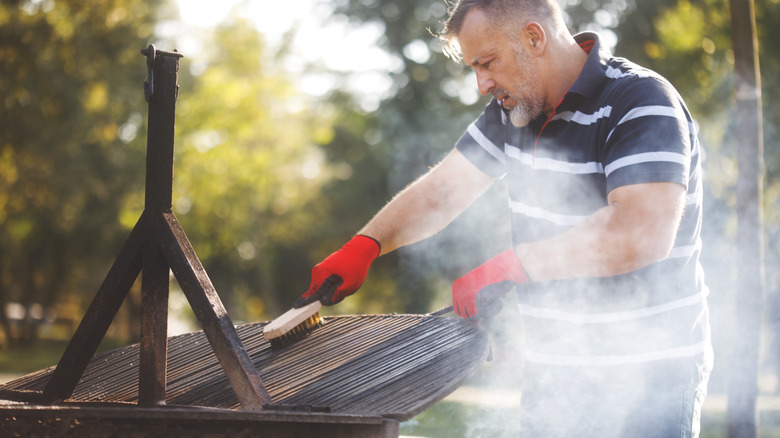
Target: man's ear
534	38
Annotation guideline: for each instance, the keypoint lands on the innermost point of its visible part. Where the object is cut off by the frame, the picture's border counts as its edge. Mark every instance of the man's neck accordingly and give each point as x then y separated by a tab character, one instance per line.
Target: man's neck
567	66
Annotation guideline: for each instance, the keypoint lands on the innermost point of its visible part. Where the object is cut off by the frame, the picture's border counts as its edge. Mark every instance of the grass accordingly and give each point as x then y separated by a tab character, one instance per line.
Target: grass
457	420
41	354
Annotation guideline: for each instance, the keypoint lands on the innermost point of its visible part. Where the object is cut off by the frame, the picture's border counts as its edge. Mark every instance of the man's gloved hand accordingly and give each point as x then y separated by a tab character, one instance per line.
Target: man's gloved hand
478	293
342	272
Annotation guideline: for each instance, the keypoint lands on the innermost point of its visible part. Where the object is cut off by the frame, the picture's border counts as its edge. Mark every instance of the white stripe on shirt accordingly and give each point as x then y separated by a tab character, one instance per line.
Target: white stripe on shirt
684	251
575	360
540	213
605	318
540	163
582	118
652	110
485	142
616	73
647	157
695	198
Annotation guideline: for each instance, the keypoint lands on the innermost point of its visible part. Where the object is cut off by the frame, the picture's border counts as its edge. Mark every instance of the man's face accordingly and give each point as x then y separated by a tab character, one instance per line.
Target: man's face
503	67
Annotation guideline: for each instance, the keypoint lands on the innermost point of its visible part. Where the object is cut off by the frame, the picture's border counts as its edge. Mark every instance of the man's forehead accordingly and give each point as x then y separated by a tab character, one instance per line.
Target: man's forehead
475	22
477	37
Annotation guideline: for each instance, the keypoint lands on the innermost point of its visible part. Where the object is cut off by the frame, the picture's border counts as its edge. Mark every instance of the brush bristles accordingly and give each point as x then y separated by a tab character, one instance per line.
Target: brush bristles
297	333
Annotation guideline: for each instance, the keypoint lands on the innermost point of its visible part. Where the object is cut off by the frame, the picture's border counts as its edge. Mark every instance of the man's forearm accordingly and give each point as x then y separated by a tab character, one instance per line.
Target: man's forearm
636	229
426	206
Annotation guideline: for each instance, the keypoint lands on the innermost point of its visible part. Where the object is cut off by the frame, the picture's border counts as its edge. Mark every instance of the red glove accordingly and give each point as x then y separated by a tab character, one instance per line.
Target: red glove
480	290
342	272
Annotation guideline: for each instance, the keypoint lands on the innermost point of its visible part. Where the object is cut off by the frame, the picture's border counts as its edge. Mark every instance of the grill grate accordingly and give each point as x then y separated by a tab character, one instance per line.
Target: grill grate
389	365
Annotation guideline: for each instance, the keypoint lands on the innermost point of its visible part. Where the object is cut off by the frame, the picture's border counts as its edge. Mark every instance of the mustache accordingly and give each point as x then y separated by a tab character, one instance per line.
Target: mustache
500	92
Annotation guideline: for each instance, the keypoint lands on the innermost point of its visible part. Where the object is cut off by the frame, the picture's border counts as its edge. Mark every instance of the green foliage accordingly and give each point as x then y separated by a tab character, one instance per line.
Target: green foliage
248	173
68	156
269	181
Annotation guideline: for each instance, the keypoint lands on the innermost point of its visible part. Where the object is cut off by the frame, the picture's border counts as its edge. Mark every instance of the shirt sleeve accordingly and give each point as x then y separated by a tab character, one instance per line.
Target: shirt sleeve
483	142
651	140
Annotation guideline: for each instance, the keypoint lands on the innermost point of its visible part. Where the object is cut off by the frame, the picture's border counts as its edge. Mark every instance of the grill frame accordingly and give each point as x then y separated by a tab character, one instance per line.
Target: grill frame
385	366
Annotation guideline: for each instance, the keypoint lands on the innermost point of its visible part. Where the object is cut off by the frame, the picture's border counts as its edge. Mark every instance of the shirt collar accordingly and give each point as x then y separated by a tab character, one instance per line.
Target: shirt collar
593	74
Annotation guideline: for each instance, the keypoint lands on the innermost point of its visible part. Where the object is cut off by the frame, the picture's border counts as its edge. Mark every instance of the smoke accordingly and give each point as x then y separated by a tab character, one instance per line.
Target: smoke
719	261
483	231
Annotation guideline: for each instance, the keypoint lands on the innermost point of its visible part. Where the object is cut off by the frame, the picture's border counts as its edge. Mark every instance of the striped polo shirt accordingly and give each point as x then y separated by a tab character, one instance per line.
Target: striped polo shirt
619	124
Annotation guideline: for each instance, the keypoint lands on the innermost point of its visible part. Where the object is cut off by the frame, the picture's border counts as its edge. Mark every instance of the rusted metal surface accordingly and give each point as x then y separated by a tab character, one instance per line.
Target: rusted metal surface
154	327
391	366
157	245
167	422
216	323
161	90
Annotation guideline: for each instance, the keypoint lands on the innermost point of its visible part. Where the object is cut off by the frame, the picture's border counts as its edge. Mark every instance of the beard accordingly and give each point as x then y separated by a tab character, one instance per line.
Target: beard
529	104
525	111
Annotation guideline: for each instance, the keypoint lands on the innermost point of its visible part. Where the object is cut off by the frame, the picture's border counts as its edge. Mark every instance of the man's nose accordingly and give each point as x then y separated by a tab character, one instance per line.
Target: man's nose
485	83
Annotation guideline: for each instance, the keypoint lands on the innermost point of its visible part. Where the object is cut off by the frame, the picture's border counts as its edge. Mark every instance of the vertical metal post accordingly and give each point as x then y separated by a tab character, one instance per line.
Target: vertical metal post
743	385
161	90
161	94
167	247
154	328
157	244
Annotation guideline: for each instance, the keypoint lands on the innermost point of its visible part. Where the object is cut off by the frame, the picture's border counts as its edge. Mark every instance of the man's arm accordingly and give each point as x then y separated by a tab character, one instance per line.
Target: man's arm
419	211
635	229
428	204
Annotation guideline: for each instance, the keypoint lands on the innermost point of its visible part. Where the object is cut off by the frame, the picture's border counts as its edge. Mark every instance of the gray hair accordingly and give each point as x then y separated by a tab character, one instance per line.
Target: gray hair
505	13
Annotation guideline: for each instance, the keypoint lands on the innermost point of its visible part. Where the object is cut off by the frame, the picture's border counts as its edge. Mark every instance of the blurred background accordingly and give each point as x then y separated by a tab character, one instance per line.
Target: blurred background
296	121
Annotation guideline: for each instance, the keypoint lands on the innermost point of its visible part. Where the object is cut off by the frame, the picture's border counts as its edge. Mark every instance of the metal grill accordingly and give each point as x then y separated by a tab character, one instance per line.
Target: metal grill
393	366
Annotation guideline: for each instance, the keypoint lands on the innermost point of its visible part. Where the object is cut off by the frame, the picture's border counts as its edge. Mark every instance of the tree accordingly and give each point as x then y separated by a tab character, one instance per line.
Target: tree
248	172
68	151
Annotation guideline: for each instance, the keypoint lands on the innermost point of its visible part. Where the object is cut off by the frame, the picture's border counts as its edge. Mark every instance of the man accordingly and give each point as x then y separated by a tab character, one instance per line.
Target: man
601	163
